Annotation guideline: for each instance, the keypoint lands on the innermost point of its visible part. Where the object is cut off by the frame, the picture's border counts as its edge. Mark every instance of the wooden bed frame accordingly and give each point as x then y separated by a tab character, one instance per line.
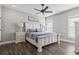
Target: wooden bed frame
45	40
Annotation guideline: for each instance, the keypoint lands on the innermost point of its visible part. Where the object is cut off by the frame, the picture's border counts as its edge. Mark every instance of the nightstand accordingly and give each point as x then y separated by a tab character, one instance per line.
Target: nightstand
20	37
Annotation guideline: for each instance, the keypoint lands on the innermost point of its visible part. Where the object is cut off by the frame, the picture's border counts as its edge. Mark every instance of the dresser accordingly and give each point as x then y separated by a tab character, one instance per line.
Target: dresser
20	37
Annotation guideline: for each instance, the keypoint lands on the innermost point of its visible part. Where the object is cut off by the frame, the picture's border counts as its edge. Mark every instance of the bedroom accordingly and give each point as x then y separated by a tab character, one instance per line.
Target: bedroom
16	19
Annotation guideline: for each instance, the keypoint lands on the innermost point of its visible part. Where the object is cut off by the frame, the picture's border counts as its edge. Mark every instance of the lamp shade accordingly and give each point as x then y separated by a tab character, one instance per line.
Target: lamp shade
20	24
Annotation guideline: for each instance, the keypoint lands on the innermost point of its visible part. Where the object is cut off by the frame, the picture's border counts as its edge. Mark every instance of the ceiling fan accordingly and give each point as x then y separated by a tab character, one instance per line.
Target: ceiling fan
43	10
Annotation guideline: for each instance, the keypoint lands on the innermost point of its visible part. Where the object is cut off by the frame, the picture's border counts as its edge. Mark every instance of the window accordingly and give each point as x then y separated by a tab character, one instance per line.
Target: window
49	25
71	29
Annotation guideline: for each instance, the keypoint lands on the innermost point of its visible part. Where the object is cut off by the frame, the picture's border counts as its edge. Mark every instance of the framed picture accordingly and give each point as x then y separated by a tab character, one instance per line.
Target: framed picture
30	18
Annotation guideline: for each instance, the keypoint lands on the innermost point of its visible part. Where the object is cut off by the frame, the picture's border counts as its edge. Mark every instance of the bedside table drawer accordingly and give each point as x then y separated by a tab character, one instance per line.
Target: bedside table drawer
20	37
20	34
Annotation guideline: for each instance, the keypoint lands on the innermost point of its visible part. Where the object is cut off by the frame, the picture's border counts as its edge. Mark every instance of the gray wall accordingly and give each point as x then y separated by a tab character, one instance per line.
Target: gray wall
60	22
10	18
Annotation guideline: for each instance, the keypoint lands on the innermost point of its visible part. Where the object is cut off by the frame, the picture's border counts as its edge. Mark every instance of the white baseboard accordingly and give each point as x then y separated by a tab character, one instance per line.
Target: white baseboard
7	42
66	40
13	41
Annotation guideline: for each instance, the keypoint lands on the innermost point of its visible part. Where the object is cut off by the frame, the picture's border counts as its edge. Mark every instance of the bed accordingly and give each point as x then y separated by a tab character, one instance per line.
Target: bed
41	38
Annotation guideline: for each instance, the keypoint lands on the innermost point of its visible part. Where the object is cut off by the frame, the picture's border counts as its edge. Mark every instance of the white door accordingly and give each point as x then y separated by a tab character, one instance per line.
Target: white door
77	37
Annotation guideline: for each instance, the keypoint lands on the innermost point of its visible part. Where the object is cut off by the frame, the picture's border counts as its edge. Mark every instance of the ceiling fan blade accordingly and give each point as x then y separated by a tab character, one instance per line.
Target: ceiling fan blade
48	11
45	8
37	9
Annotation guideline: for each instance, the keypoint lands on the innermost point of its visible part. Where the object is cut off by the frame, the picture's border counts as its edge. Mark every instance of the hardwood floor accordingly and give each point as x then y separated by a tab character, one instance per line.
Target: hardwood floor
28	49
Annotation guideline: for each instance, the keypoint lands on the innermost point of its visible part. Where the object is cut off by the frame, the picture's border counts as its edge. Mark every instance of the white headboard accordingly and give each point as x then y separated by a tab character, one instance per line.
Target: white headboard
32	25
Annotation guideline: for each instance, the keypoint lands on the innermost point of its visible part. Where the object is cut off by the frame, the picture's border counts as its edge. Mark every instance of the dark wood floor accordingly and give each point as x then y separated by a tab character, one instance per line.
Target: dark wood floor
28	49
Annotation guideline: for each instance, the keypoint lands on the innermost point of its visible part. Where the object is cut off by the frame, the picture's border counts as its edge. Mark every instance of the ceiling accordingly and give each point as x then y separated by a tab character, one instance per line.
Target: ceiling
29	8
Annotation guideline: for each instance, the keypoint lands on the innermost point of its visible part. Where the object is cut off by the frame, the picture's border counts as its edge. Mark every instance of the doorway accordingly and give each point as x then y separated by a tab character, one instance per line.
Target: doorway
71	27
